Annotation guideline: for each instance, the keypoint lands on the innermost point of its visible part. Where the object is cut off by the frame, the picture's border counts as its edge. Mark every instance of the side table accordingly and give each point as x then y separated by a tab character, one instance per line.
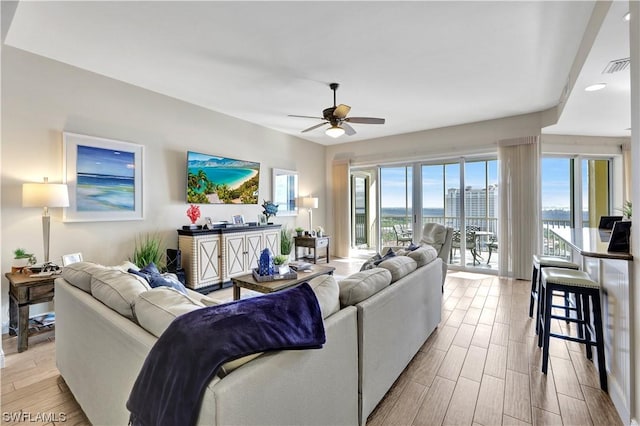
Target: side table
314	243
23	292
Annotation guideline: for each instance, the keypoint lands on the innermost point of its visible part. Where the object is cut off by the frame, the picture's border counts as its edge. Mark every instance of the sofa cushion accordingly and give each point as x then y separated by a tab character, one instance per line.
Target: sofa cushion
423	255
399	266
117	289
79	274
156	308
362	285
328	294
371	262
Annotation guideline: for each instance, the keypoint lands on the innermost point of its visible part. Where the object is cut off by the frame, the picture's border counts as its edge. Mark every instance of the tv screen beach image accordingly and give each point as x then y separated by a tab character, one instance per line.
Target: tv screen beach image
105	179
219	180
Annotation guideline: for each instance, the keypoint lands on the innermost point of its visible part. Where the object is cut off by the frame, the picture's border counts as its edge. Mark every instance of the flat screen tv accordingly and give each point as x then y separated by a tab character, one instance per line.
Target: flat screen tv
212	179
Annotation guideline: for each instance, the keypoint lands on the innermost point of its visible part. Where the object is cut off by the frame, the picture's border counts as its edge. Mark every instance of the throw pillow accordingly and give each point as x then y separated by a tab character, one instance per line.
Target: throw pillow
370	263
155	279
390	253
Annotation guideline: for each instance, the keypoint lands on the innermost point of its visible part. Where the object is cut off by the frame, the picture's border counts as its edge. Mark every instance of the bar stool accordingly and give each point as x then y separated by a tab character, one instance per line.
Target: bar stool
540	262
580	284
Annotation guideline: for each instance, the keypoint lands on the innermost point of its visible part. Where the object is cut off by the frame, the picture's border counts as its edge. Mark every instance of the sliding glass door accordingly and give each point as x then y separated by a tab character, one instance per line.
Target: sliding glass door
463	195
575	191
396	205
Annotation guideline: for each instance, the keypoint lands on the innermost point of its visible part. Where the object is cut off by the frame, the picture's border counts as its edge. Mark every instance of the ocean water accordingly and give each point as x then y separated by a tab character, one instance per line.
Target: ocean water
230	176
105	193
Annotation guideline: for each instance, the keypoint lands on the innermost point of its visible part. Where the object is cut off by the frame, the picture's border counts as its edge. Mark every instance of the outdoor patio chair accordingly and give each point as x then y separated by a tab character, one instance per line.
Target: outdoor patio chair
402	235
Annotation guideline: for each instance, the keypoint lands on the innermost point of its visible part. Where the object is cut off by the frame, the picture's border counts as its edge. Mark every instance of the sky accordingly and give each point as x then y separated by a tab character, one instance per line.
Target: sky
102	161
555	182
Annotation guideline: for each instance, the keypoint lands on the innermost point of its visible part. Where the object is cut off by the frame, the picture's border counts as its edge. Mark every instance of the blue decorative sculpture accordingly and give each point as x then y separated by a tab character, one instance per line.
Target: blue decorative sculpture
265	264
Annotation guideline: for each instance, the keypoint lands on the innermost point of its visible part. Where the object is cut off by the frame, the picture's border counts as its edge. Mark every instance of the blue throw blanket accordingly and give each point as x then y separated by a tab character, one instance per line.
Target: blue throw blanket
171	384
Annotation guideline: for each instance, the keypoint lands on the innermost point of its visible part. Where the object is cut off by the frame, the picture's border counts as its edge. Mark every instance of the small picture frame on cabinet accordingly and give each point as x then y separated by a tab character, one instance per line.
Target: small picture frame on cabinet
208	224
238	219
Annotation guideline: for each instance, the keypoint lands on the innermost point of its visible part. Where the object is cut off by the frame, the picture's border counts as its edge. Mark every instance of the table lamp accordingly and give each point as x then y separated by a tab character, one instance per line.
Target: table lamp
45	195
309	203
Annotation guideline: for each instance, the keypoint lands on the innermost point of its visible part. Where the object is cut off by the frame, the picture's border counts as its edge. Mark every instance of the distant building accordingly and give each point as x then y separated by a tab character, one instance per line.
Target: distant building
479	203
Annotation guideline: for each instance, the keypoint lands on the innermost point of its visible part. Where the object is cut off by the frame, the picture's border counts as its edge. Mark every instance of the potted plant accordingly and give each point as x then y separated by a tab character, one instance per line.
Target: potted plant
280	261
148	249
299	231
319	231
286	241
627	210
22	259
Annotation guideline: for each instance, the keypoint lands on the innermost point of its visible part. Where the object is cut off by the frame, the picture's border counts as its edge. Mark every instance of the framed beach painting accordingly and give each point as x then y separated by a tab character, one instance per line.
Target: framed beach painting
212	179
104	178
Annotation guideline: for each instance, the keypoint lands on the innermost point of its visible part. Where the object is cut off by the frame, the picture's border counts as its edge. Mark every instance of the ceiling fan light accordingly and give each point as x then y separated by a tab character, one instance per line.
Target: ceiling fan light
334	131
594	87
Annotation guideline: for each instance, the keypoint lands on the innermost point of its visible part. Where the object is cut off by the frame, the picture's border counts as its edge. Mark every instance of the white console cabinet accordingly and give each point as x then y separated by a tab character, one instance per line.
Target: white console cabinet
213	257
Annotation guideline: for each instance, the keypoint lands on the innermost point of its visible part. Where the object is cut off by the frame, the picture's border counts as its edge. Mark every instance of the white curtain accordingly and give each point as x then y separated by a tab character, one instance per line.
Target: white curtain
520	205
341	238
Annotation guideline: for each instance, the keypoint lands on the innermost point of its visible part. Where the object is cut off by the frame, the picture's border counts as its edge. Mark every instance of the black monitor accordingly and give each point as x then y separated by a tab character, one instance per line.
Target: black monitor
619	241
606	222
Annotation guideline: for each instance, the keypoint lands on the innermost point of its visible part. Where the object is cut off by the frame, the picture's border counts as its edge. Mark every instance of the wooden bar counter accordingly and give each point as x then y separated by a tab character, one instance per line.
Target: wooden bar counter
613	271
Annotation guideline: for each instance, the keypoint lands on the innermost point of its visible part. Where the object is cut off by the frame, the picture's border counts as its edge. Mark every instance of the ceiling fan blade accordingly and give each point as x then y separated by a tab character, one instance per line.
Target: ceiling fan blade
341	111
305	116
348	129
365	120
315	127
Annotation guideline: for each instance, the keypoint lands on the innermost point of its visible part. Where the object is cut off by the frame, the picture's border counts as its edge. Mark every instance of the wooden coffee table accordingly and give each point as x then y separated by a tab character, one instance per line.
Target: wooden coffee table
247	281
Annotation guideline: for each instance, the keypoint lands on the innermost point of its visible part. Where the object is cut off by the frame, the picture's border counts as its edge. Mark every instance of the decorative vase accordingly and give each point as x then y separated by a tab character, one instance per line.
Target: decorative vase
265	263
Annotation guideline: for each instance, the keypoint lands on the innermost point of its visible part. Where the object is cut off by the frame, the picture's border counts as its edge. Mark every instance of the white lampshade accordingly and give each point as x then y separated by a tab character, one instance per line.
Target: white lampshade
45	195
309	202
334	131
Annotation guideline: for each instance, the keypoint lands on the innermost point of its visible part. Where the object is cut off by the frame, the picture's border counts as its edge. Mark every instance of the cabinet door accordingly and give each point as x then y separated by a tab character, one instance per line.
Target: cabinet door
235	255
272	240
209	260
254	248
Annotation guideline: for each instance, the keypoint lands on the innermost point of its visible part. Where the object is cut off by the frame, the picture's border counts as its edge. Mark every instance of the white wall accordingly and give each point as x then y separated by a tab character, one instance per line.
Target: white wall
41	98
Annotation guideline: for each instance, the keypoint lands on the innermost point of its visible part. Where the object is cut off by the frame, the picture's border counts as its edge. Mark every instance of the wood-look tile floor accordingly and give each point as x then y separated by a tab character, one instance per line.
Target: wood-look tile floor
480	367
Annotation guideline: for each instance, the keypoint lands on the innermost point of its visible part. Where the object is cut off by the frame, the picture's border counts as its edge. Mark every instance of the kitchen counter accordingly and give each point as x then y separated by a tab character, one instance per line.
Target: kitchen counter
591	242
613	271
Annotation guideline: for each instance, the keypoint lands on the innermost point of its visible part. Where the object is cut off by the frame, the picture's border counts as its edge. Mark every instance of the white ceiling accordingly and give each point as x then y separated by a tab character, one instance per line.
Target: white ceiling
420	65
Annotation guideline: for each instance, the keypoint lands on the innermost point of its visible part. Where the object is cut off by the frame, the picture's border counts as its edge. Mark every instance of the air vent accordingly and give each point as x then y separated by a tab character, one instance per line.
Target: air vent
617	65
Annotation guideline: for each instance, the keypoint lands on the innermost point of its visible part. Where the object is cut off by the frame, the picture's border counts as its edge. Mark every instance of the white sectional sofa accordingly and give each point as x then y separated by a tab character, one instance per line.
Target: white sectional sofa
372	334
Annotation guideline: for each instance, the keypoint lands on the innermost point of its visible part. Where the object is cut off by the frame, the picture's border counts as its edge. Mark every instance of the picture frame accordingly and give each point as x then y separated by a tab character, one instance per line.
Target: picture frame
238	219
110	191
208	223
68	259
262	219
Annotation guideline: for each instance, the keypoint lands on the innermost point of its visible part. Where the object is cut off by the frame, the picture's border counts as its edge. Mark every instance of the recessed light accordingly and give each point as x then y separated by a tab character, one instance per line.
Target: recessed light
594	87
627	16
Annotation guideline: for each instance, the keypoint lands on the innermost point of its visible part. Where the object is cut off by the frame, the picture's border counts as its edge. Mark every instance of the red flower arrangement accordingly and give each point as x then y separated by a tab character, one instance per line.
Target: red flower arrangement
193	213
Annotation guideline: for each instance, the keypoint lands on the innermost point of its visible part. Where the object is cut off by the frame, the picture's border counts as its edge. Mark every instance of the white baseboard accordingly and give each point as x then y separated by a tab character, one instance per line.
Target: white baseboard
1	358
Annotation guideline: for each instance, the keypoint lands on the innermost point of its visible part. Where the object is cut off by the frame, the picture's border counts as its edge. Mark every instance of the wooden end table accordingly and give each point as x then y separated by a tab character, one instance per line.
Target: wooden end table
25	291
247	281
314	243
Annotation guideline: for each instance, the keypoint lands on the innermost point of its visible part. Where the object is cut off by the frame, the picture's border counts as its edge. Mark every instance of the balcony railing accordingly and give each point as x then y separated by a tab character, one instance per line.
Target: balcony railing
551	244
